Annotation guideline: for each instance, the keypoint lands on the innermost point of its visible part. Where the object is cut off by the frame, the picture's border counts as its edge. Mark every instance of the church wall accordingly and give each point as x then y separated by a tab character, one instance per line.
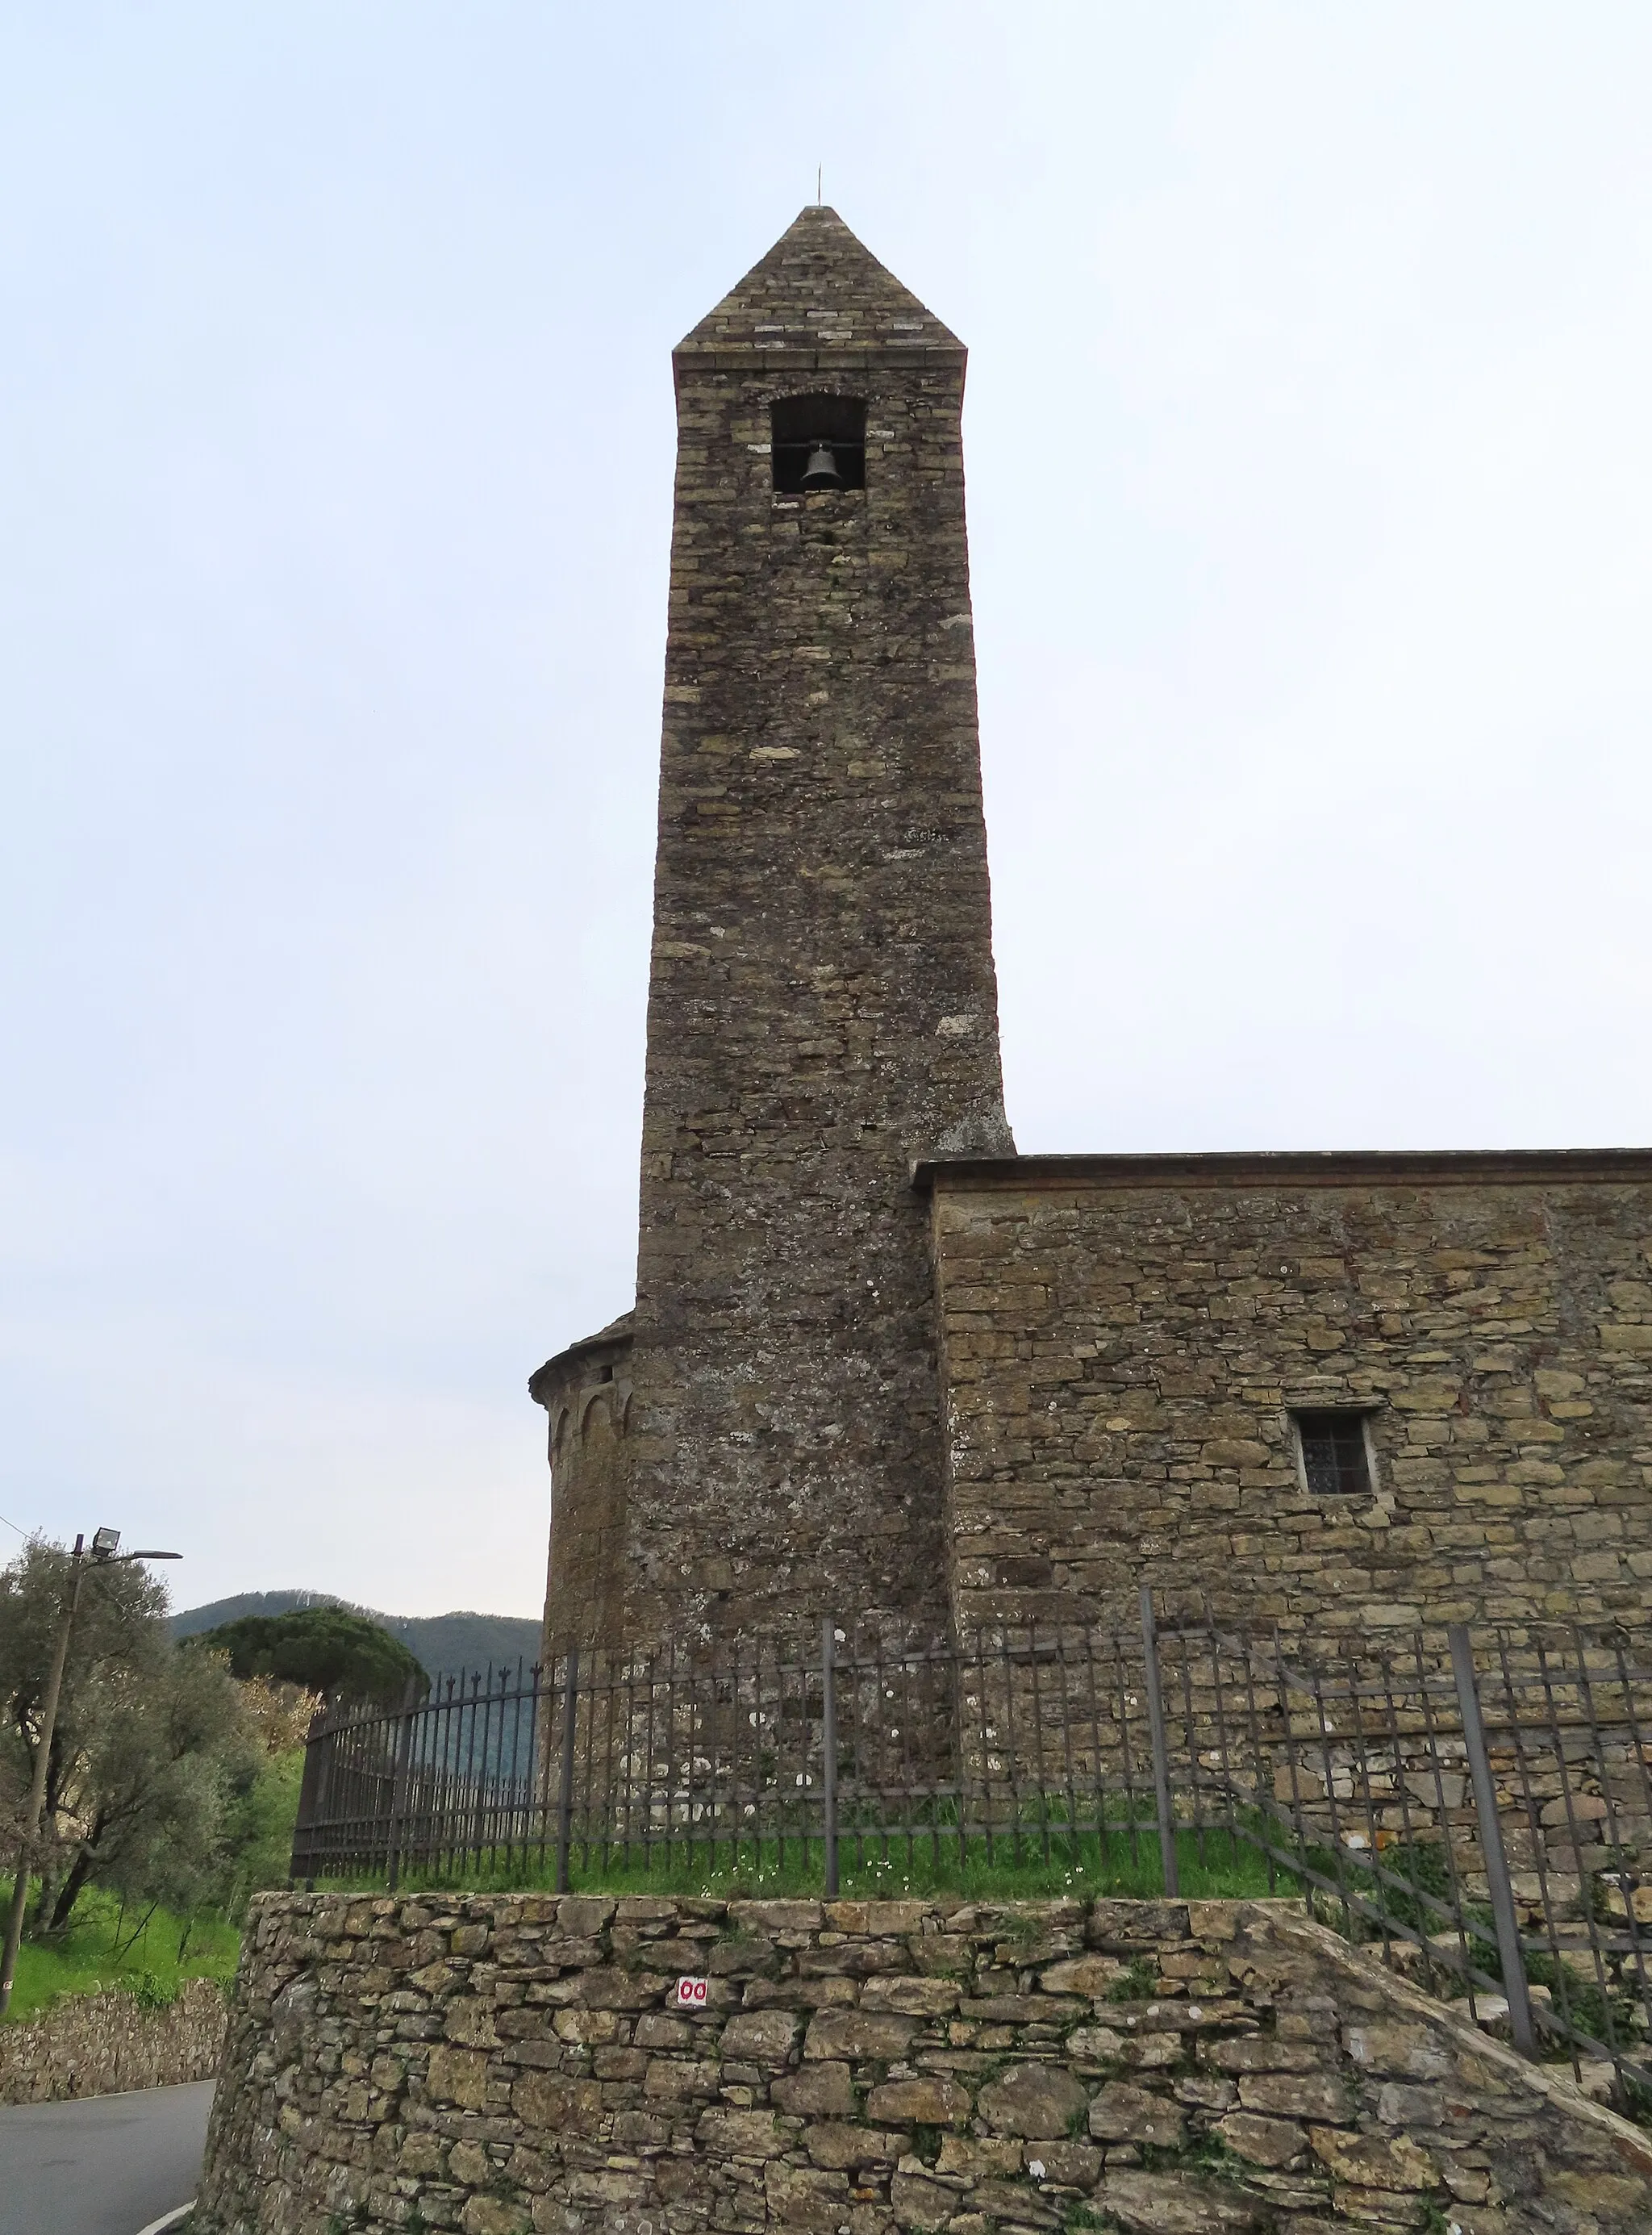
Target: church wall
1123	1341
586	1394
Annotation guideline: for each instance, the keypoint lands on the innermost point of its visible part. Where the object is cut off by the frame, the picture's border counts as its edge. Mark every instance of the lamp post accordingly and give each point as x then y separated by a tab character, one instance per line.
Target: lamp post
103	1552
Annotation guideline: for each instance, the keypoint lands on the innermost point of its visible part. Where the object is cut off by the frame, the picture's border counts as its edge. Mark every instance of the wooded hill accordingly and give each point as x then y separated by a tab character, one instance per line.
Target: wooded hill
443	1644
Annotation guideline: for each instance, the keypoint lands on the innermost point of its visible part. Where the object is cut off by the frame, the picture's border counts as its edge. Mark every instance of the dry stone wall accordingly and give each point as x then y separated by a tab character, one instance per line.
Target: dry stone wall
105	2044
1123	1341
501	2064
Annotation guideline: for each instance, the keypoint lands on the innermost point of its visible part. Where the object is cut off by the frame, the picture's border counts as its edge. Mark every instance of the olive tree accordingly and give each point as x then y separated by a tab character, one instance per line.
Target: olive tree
152	1747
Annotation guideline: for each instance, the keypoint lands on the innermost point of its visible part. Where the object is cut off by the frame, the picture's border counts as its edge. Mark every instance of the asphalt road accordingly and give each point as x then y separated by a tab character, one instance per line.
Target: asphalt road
105	2165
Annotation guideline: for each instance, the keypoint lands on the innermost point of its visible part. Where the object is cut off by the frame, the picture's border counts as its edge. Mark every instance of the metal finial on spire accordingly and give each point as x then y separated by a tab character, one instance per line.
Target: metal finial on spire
817	168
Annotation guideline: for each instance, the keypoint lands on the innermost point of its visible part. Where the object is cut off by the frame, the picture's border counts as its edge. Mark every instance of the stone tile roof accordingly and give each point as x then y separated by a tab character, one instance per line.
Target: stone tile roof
819	288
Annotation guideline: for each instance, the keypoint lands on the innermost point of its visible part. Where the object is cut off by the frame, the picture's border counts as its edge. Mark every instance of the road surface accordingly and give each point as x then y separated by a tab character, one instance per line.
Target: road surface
104	2165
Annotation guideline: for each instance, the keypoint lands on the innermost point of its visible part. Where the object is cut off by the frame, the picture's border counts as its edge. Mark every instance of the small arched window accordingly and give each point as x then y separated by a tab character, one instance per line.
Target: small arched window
818	442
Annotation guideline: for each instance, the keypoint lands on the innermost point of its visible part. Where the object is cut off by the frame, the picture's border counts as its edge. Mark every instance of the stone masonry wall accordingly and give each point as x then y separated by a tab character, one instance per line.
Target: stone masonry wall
822	1002
105	2044
1123	1340
586	1393
501	2064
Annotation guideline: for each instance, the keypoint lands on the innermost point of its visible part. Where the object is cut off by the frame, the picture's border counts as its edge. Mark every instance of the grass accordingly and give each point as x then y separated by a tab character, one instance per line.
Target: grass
1213	1869
98	1949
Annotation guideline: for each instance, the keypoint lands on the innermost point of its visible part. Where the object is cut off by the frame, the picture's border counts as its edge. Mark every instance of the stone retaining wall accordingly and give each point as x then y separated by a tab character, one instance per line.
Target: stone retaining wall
105	2044
508	2063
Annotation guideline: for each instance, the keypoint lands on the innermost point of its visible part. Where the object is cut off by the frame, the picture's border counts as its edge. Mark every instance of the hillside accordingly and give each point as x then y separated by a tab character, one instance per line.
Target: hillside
457	1644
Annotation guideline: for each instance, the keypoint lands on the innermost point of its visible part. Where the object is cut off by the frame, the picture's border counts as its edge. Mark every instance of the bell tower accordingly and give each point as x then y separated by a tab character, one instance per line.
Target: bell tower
822	1001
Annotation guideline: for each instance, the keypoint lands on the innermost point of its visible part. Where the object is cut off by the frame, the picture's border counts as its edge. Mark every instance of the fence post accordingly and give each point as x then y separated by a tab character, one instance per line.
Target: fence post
1161	1751
829	1747
312	1798
1497	1863
564	1768
400	1778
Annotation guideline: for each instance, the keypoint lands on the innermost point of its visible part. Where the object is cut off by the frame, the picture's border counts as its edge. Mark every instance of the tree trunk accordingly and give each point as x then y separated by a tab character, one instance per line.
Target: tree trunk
80	1871
42	1905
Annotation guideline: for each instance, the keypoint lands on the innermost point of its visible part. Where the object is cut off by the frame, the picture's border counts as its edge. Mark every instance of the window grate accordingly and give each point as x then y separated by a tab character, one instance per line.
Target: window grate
1333	1455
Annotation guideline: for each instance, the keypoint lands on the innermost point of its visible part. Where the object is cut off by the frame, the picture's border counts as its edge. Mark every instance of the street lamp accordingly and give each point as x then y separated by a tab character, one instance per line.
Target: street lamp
103	1552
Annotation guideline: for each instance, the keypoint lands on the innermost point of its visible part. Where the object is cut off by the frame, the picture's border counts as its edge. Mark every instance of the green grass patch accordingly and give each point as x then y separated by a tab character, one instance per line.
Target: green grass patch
101	1948
1087	1864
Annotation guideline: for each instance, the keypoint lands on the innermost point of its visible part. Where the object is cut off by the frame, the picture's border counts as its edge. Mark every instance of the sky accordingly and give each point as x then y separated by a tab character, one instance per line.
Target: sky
1310	494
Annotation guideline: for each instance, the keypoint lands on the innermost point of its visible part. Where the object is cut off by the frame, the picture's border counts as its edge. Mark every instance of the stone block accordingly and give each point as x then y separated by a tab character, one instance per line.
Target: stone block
1604	2193
644	1909
1123	2112
582	1916
469	2164
840	2144
978	2157
1297	2095
549	2100
1064	2165
877	1920
679	2079
917	2202
421	2156
818	2091
1393	2046
1264	2141
607	1988
1131	1925
764	1918
739	2134
806	2196
458	2075
1014	2204
855	2033
1035	2101
761	2037
1206	2091
1175	2203
1081	1975
1382	2161
923	2102
495	2215
910	1998
469	2019
1261	2052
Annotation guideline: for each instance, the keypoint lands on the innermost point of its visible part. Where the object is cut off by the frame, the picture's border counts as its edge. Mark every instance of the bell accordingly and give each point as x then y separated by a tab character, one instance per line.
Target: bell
821	472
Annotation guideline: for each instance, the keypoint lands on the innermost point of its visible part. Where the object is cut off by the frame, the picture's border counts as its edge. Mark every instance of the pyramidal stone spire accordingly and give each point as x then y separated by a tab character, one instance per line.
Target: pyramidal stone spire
763	1446
818	288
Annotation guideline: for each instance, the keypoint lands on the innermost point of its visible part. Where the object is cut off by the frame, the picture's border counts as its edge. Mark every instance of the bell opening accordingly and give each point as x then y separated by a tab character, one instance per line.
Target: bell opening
817	443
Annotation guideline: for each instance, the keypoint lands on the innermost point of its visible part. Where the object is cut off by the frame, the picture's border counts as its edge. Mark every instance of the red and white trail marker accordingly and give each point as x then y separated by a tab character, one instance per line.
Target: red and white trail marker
691	1994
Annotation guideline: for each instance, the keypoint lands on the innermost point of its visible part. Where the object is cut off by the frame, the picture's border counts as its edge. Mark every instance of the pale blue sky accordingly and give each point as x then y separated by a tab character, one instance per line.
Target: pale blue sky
1312	510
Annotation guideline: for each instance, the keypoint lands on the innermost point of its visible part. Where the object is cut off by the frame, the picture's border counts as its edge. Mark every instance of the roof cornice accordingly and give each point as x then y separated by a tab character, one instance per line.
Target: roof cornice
616	1336
776	359
1292	1168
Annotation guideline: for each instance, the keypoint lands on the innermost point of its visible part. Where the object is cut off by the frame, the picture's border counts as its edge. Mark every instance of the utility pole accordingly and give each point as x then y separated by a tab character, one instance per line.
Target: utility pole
103	1554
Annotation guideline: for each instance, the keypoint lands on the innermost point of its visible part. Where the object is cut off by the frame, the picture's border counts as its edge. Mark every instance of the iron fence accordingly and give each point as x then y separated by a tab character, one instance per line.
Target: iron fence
1481	1807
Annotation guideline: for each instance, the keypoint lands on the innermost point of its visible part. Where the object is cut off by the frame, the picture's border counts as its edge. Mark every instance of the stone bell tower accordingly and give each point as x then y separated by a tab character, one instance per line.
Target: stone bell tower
822	1002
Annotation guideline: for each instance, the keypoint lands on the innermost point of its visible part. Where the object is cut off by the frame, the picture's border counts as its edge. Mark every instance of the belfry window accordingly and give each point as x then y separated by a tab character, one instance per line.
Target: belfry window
817	443
1335	1460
